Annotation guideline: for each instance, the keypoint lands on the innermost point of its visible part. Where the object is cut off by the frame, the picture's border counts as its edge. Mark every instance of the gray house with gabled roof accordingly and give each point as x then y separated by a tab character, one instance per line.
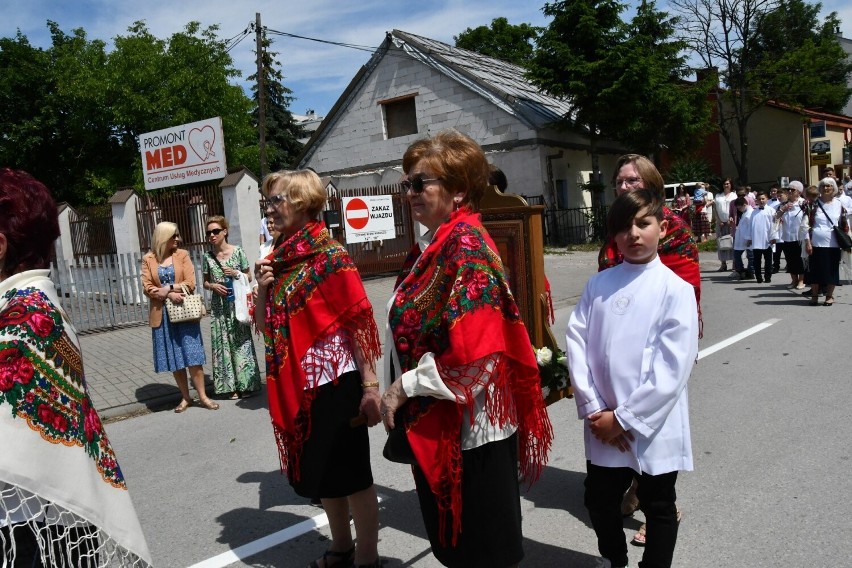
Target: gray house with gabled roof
414	86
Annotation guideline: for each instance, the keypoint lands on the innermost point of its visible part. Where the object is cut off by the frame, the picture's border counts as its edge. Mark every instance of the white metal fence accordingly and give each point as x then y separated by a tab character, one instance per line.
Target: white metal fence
101	292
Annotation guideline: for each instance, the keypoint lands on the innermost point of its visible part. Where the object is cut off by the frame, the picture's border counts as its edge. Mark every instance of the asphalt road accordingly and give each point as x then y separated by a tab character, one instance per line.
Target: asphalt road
771	484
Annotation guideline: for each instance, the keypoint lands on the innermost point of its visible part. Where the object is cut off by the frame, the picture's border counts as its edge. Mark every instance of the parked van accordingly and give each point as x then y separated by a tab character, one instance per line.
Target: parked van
671	189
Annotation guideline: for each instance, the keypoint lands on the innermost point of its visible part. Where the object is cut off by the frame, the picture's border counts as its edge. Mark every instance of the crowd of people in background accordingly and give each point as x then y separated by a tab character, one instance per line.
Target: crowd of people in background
754	229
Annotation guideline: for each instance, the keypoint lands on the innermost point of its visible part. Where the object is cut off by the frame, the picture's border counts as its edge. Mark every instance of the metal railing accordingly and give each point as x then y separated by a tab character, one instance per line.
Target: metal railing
575	226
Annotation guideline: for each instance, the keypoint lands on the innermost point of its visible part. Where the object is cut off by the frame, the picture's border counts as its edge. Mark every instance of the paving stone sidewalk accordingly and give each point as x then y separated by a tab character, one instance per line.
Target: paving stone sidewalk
120	370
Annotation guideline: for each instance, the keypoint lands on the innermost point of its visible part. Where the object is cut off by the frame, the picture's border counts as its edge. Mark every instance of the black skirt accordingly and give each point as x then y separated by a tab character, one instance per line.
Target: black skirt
823	266
491	533
335	459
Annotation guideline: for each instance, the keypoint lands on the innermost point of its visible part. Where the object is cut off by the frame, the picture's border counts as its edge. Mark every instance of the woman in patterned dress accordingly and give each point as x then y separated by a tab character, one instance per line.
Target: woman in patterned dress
177	346
63	498
235	368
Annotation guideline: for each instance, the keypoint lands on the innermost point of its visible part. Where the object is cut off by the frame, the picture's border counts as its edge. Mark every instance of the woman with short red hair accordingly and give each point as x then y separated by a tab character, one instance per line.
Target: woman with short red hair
63	498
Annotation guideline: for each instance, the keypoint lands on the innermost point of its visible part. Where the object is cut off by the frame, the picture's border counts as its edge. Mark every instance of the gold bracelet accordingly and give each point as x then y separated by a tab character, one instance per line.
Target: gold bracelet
370	384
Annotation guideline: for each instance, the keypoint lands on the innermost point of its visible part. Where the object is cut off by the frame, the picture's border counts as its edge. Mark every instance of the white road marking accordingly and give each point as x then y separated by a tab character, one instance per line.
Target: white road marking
264	543
738	337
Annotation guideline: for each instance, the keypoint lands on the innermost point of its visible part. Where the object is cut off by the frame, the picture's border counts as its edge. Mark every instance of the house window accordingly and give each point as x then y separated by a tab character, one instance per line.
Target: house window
400	116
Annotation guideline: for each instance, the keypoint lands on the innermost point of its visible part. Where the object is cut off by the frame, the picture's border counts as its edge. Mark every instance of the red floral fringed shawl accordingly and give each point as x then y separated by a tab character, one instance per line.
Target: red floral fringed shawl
454	301
677	250
317	292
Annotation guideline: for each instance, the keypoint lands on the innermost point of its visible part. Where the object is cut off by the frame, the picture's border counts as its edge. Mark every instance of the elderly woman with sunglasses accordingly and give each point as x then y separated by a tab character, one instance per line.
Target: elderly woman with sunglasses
465	392
322	344
235	368
177	346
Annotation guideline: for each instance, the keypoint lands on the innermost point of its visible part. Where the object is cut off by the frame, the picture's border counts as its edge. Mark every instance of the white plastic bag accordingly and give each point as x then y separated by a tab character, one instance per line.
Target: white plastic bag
242	299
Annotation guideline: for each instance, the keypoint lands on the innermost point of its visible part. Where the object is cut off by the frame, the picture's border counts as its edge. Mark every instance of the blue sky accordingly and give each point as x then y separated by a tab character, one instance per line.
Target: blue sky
317	73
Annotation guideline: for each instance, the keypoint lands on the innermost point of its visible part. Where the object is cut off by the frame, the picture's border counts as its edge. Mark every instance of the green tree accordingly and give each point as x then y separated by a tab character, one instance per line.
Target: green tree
576	59
658	108
502	40
282	132
763	50
798	59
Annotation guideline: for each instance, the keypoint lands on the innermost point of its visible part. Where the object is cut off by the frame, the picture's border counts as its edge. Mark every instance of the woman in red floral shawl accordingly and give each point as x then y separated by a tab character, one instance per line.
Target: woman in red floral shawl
677	250
465	379
321	347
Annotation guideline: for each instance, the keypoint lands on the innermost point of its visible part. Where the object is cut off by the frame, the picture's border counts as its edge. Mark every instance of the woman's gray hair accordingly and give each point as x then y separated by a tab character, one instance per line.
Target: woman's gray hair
828	181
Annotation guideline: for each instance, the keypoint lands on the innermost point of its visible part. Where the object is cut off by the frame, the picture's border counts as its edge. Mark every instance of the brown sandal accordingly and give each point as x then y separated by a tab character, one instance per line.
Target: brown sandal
208	404
184	404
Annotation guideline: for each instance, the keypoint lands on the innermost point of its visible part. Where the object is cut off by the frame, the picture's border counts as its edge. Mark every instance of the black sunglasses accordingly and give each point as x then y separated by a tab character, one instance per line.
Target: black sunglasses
214	232
415	184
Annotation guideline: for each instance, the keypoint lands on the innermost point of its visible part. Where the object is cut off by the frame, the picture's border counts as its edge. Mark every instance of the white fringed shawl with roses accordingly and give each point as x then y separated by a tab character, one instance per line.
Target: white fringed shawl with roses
57	469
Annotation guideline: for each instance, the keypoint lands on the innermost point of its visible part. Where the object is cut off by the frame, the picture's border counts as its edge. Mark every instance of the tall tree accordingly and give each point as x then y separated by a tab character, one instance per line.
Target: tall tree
501	40
658	108
575	59
282	131
798	59
742	41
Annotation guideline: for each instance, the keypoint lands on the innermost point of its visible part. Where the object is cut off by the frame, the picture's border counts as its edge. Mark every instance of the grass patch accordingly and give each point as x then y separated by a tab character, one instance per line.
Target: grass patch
568	249
707	246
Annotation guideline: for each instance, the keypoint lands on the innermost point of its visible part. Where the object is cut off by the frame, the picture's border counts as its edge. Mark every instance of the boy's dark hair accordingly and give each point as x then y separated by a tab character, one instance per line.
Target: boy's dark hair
763	192
627	205
740	201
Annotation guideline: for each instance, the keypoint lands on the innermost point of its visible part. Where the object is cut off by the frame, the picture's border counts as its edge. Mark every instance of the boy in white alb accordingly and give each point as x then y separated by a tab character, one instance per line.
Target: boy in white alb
761	236
743	220
632	341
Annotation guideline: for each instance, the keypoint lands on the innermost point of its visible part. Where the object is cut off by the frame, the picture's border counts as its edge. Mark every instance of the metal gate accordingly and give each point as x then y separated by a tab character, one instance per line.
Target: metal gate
188	207
378	257
92	231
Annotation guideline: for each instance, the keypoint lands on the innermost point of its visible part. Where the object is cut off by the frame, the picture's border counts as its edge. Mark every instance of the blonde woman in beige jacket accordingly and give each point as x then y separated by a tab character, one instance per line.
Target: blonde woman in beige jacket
177	346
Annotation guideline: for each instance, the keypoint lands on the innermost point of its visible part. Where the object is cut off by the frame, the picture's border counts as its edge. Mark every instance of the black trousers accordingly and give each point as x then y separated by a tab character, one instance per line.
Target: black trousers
776	258
605	487
761	255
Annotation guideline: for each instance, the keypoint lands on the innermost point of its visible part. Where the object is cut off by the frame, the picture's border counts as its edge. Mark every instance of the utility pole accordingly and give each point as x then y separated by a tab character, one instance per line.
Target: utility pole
261	95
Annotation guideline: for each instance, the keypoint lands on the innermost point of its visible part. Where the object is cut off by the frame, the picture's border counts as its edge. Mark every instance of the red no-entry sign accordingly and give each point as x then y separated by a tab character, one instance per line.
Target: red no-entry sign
357	214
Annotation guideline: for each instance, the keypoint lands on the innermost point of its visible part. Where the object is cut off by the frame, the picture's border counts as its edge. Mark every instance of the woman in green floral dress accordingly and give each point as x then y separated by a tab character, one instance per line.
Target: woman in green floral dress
235	368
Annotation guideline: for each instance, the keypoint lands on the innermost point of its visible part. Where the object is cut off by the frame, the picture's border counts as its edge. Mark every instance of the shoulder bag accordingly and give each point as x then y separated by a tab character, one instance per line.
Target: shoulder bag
844	241
191	309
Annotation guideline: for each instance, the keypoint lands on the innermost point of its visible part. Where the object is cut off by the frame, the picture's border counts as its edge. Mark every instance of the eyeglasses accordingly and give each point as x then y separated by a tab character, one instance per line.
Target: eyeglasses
415	184
275	200
214	232
176	236
629	182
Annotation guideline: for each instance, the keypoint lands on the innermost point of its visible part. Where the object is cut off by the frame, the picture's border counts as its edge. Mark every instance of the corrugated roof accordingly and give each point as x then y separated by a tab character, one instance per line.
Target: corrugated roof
501	82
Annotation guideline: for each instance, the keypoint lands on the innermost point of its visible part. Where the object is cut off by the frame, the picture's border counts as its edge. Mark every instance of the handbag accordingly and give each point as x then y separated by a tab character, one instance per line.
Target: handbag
397	447
191	309
242	299
844	241
725	242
